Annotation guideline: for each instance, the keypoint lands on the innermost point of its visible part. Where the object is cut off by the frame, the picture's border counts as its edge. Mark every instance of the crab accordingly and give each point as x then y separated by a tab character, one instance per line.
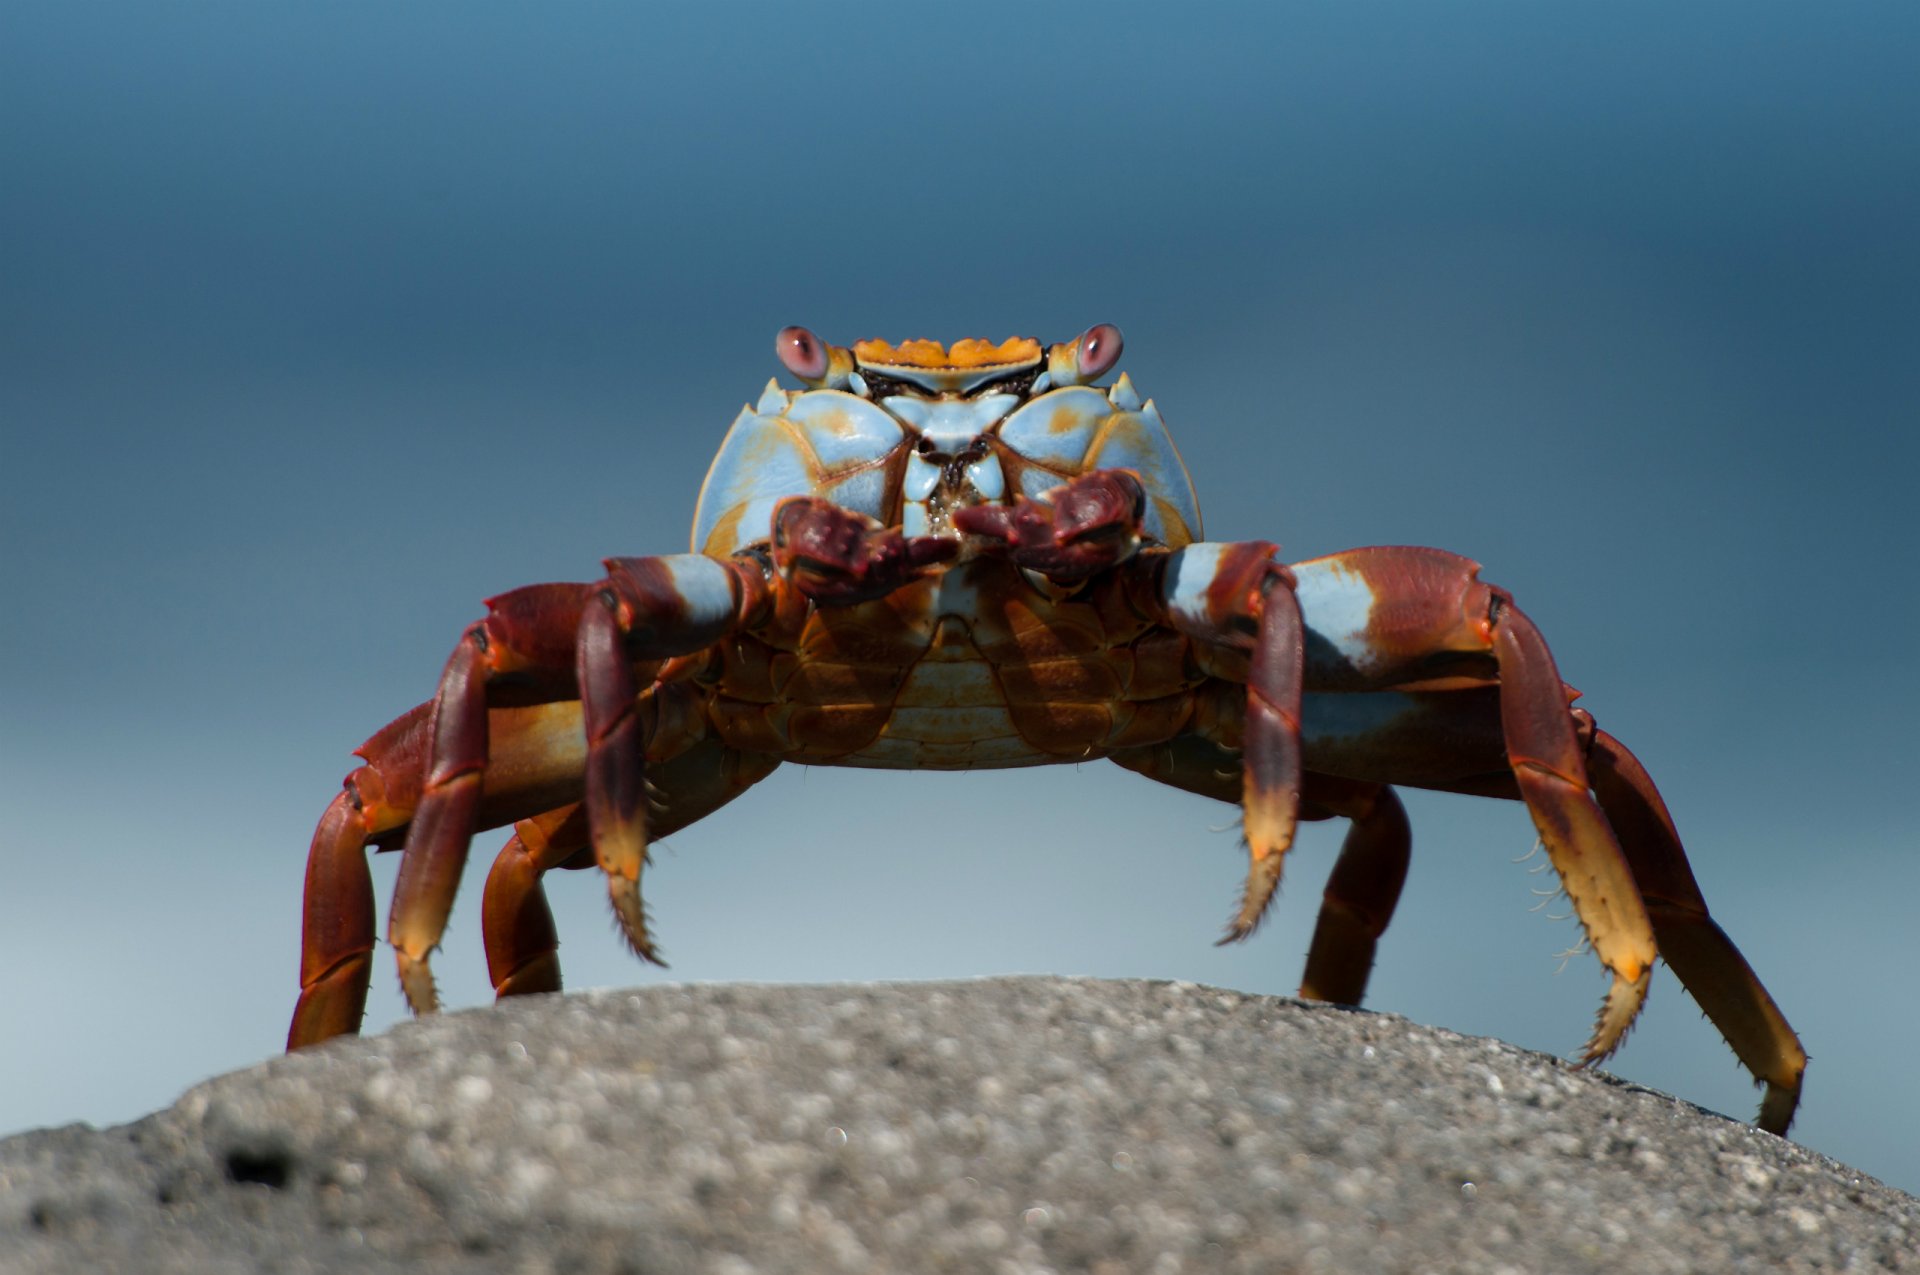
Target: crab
949	557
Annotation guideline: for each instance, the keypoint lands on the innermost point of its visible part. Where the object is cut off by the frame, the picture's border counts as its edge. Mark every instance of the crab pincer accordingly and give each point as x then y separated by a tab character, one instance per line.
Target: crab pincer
1070	532
838	557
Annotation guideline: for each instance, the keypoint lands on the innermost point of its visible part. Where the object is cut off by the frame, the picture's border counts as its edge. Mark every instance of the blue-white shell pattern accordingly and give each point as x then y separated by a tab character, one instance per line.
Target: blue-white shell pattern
837	445
826	443
1077	429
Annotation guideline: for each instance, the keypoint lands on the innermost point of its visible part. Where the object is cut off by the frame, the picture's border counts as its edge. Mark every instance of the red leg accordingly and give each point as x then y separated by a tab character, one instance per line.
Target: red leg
525	645
1272	749
1238	604
1362	891
522	945
532	646
523	948
1545	754
1364	887
1700	954
1390	619
648	608
536	760
443	822
336	933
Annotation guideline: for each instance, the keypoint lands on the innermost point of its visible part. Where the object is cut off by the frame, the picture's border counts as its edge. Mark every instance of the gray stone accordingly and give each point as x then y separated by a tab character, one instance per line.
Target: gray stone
1005	1125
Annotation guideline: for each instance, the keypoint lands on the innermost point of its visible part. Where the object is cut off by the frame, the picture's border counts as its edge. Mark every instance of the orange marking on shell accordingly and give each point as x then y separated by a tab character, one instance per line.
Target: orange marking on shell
834	420
1065	420
725	533
970	352
1178	533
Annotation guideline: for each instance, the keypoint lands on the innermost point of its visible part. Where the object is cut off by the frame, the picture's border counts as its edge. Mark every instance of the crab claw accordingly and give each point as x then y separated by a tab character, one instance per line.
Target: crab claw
1071	532
837	556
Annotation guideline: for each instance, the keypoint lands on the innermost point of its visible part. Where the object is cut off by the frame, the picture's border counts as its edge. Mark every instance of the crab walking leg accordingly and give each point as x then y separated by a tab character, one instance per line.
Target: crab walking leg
1698	951
524	645
1364	887
523	947
336	931
1235	596
647	608
1544	751
1362	891
521	941
1454	740
1272	748
436	850
1388	618
537	755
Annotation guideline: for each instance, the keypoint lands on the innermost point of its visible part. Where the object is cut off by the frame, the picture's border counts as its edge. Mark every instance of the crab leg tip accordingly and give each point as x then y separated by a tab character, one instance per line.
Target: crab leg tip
1776	1109
631	914
1263	881
1617	1014
416	983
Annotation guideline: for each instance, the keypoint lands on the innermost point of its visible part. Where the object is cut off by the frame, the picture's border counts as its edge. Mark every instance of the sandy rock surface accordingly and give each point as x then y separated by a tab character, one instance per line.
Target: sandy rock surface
1003	1125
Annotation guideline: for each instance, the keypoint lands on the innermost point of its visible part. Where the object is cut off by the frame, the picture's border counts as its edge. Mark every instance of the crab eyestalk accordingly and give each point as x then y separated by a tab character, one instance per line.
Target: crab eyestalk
815	363
1087	357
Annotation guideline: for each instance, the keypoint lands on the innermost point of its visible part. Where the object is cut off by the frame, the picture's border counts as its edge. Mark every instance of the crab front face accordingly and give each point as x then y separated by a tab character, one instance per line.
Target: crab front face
907	434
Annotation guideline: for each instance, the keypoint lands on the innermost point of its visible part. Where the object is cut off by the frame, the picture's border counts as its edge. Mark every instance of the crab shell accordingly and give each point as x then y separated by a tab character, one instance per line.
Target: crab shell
983	424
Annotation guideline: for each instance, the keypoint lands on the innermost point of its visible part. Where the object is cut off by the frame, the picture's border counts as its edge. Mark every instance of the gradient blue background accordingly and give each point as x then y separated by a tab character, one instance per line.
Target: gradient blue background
318	326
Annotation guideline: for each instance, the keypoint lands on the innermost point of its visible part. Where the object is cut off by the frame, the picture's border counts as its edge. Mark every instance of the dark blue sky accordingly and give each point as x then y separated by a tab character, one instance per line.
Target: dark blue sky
318	326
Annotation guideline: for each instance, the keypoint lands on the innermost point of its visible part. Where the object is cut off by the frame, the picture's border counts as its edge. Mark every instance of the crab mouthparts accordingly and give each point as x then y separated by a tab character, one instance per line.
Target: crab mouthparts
937	483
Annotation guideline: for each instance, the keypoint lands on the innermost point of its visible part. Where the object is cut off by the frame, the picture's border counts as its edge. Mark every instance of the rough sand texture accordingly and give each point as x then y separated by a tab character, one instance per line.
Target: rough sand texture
1022	1124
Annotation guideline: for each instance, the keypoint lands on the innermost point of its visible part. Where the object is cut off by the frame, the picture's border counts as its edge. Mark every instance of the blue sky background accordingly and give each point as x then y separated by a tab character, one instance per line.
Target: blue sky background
317	326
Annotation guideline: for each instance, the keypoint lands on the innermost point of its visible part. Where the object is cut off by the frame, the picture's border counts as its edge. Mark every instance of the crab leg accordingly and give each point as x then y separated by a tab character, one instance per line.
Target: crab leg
336	940
1362	890
522	944
532	645
1545	754
1387	618
1364	886
1236	597
647	608
537	758
523	947
1454	741
518	654
1707	963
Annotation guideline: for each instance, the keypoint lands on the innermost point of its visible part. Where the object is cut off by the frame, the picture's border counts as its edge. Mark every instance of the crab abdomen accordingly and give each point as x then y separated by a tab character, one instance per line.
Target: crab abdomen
973	668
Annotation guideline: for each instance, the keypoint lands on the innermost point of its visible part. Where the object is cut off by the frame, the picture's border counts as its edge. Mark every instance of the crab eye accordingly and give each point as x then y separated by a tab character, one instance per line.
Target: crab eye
1097	350
801	353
